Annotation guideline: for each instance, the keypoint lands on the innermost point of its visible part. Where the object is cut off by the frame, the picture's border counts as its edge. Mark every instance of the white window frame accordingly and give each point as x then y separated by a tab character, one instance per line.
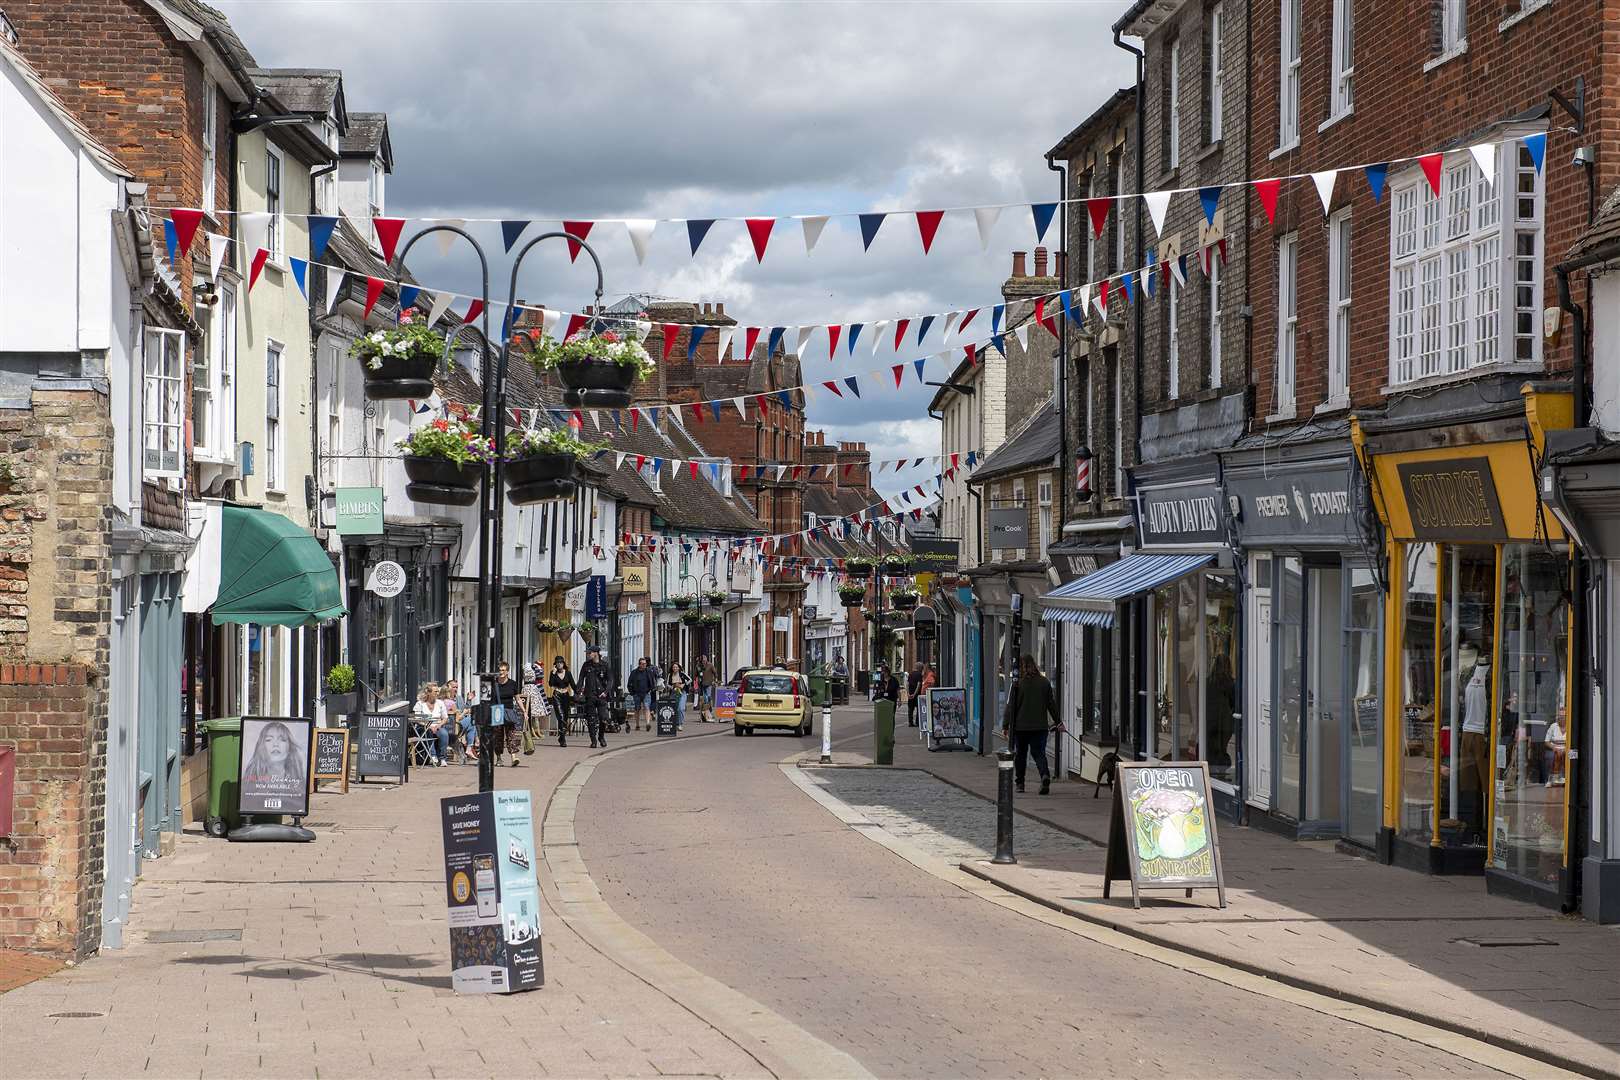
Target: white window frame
1215	72
1288	73
204	361
1092	242
1119	428
162	404
275	431
1453	26
1173	122
331	468
374	188
225	375
1287	322
275	179
1452	258
210	142
1172	337
1119	208
1339	274
1213	307
1343	58
1043	498
1020	497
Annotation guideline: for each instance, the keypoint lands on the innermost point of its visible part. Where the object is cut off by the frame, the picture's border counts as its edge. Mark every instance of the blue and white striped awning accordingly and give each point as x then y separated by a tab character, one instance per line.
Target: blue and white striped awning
1090	601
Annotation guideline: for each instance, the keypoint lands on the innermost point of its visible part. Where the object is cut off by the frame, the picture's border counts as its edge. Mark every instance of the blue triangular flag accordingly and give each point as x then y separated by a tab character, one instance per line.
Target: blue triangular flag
1130	292
786	398
973	457
696	230
1536	145
616	420
1000	342
869	227
171	240
658	463
320	232
854	332
1043	217
407	294
1067	296
922	327
918	364
1209	196
692	342
775	340
995	319
714	407
508	322
300	271
1375	180
652	413
854	387
510	231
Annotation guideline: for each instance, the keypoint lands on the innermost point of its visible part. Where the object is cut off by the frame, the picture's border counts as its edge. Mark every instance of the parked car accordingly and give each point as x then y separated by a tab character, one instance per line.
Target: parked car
773	698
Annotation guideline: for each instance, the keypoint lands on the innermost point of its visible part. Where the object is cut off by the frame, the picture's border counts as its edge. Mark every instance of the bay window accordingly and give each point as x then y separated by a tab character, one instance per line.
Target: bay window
162	387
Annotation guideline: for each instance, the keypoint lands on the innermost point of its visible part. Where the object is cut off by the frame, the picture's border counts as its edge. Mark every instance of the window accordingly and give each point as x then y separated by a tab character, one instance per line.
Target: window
1453	26
374	188
334	419
203	361
162	387
1287	315
1344	56
1449	255
1213	73
1339	301
1172	335
1212	307
1091	241
1288	100
1119	209
1172	109
1019	501
272	203
1116	377
1043	491
210	127
273	449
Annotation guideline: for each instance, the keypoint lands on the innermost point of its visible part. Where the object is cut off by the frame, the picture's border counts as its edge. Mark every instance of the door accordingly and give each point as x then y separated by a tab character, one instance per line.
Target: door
1364	604
1259	684
1290	682
1324	697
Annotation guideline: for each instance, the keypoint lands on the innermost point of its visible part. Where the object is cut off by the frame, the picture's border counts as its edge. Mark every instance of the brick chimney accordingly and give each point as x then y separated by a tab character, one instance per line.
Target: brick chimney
1018	265
1040	262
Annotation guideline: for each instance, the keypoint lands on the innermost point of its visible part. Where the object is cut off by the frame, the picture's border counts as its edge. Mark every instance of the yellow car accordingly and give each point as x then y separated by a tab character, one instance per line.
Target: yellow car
772	698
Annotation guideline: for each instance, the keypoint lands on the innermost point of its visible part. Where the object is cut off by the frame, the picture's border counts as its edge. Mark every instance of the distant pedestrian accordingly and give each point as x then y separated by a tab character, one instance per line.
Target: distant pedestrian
678	685
595	684
708	682
642	682
561	681
1030	705
888	687
913	688
508	692
534	699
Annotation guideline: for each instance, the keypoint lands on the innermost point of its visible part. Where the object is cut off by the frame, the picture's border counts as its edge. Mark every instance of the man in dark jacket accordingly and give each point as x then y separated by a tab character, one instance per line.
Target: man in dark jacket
888	687
1032	703
642	682
595	684
913	685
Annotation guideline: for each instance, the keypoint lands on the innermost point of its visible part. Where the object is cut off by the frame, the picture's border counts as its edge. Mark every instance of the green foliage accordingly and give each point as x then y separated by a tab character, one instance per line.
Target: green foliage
412	337
453	440
548	440
851	591
340	680
547	354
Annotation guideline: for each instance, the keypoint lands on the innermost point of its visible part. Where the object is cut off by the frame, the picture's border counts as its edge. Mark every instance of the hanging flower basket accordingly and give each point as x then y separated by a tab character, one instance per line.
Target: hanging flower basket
444	461
546	626
852	596
543	464
858	567
716	597
903	600
596	371
896	564
692	618
399	363
709	618
682	601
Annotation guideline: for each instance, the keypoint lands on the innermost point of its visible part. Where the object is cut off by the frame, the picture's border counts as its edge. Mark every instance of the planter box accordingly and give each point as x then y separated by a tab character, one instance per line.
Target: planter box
541	477
400	377
903	603
342	704
861	572
437	480
596	384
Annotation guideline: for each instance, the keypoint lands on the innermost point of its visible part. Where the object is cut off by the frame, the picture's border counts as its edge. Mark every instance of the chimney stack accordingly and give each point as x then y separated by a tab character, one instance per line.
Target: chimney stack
1040	262
1061	259
1018	265
720	308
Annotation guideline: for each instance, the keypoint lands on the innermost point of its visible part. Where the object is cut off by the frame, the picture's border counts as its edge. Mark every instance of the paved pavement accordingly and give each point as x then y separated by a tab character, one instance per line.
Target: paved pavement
1434	948
709	849
332	959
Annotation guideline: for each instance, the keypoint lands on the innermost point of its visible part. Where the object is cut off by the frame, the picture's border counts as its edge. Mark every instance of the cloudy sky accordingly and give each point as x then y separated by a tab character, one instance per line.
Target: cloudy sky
555	111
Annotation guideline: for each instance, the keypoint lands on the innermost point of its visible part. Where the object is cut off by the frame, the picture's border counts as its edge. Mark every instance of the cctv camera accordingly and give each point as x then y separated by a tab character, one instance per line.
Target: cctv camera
1586	155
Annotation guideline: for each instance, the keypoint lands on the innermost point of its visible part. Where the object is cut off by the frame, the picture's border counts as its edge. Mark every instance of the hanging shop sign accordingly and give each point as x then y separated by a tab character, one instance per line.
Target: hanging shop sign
1452	499
1289	505
331	757
574	599
273	770
596	605
491	894
633	579
1008	528
359	511
1181	515
386	579
1162	835
382	745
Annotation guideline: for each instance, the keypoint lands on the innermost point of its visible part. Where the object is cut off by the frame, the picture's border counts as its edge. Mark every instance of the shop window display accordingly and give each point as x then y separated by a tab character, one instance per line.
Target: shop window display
1420	583
1195	660
1363	812
1290	683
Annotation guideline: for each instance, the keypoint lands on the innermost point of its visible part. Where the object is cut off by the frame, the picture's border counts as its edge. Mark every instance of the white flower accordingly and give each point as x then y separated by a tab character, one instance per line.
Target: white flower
375	363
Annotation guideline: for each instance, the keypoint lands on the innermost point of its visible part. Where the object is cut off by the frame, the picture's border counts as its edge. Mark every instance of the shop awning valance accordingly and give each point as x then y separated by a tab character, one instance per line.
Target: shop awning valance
1090	601
272	572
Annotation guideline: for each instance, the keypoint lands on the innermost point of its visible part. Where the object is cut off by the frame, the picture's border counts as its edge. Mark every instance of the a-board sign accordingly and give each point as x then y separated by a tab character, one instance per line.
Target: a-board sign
382	745
665	715
491	894
331	756
1163	831
947	714
725	703
273	776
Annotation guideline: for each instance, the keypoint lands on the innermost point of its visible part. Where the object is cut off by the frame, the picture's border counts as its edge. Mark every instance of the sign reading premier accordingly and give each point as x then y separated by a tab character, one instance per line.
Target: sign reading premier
1452	500
1182	514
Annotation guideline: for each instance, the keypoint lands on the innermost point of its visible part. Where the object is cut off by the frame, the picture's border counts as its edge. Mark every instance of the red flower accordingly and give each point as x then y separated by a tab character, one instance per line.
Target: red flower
441	425
610	336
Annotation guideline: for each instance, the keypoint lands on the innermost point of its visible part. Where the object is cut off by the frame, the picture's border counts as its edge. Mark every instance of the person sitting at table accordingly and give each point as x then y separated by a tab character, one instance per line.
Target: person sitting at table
432	720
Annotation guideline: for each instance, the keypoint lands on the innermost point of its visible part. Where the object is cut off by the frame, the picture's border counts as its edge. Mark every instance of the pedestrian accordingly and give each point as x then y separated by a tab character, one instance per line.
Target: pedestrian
534	700
508	694
913	688
711	684
595	684
562	686
433	722
1029	707
678	685
641	683
888	687
463	732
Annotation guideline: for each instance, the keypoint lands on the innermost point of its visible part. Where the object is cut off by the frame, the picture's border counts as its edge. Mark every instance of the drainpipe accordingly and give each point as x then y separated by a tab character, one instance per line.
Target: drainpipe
1137	706
1062	485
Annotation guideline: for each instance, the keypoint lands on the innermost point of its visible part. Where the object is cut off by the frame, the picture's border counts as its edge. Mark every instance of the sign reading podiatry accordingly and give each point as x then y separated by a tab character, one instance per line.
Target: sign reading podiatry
386	579
1453	499
1163	832
331	756
633	579
725	703
359	511
491	893
1292	504
596	597
382	745
273	776
1008	528
1181	515
947	715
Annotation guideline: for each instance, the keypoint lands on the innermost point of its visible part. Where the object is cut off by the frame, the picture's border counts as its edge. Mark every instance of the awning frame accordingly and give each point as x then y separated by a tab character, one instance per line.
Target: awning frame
1092	600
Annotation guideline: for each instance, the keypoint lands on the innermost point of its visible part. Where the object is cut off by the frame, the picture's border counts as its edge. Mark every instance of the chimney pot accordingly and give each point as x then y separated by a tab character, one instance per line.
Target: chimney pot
720	309
1040	262
1061	258
1018	265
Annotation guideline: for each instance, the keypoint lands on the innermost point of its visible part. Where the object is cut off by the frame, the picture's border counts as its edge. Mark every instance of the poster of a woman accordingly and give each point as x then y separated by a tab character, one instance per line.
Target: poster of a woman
275	756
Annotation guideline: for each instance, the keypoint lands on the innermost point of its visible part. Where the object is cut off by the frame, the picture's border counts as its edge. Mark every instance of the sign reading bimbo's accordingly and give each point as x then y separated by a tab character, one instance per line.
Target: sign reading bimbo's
1182	514
1453	499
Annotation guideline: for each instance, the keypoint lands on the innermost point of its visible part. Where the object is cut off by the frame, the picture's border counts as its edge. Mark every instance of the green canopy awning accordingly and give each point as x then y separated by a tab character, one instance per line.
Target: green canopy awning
272	572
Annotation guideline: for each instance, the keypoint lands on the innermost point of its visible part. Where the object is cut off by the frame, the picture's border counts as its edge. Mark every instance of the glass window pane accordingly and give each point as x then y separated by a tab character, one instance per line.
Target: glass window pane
1420	587
1468	614
1220	684
1164	608
1187	670
1290	608
1363	814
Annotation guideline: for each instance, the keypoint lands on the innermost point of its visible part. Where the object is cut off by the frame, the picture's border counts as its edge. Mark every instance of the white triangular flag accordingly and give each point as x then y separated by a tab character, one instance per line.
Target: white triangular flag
334	285
618	459
1157	202
596	419
643	328
877	334
985	217
217	247
444	238
804	336
812	231
1324	182
255	231
1021	332
441	303
640	230
950	321
742	408
1485	158
724	343
780	469
549	320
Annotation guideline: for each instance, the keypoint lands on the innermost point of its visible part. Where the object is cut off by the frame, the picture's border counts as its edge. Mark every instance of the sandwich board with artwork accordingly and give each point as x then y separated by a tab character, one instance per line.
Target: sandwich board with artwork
1162	833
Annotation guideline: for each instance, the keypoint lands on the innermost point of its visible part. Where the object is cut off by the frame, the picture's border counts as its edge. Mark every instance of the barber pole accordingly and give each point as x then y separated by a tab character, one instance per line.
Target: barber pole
1082	473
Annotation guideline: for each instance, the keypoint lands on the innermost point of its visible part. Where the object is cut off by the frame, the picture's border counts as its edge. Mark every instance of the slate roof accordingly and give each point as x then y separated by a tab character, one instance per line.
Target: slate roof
1603	233
1033	444
303	89
217	28
1084	130
368	135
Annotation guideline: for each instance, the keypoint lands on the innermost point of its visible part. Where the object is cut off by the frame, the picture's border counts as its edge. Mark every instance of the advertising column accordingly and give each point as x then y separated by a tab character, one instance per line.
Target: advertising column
491	892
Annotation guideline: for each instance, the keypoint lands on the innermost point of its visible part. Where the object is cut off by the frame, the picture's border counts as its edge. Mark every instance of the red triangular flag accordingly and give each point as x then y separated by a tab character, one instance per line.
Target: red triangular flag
474	308
829	384
762	405
697	413
898	369
258	264
185	226
972	355
927	225
575	321
832	339
961	326
750	339
900	332
691	467
374	288
635	419
1098	209
1431	168
1102	296
1043	318
641	460
847	469
388	234
759	231
671	332
576	230
1267	190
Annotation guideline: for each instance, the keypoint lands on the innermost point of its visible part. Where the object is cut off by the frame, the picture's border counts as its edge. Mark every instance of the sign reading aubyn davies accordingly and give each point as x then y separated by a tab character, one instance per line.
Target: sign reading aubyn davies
1293	504
1182	514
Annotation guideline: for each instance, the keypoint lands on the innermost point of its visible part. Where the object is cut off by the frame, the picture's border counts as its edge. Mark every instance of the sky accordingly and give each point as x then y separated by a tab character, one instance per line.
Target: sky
554	111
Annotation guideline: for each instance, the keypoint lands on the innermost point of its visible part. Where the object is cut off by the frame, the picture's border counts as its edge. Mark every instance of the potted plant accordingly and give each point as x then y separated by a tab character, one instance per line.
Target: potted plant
904	599
399	362
564	629
586	628
545	626
543	463
858	566
851	594
692	618
716	597
896	563
709	618
597	370
341	696
682	601
444	460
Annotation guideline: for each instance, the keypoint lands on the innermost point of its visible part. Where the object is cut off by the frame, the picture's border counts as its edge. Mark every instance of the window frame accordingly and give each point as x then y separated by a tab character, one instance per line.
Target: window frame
1288	67
1119	207
1172	338
1286	372
1214	72
166	389
210	145
1212	305
1342	59
1173	113
275	432
1341	269
1117	375
275	175
1453	26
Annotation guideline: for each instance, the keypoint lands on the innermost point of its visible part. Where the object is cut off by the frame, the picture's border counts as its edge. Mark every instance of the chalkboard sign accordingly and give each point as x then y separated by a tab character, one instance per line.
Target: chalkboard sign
383	747
1163	831
331	756
666	720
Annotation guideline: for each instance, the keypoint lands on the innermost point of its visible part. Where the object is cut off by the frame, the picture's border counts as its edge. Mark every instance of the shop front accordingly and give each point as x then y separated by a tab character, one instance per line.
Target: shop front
1313	615
1007	598
1089	684
1477	717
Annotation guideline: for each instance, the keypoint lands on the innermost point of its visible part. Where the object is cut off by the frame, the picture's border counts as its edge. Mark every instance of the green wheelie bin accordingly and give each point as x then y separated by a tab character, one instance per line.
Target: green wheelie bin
224	766
818	690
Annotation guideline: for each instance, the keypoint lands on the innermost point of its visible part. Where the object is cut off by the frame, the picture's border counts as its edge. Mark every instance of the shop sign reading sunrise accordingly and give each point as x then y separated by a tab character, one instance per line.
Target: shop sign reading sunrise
1452	500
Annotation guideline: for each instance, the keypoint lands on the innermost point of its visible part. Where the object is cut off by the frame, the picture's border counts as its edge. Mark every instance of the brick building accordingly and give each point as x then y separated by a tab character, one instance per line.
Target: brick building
839	485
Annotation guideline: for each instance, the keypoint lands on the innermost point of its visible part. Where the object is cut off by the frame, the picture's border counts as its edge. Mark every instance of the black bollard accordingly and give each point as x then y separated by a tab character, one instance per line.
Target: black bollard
1004	808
